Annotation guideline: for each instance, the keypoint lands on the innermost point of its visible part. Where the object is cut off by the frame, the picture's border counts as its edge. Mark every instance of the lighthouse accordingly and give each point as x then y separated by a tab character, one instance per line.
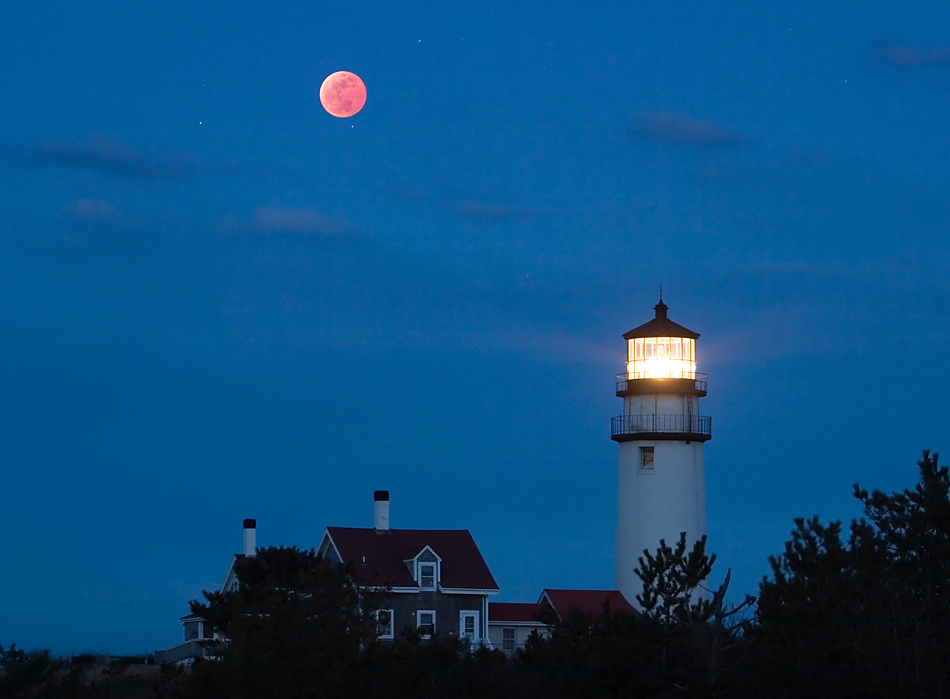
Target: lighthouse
661	489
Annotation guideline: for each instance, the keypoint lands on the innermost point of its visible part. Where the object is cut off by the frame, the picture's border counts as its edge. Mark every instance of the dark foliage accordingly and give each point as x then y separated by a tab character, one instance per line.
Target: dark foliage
866	618
437	668
299	626
680	645
613	654
700	636
22	669
38	676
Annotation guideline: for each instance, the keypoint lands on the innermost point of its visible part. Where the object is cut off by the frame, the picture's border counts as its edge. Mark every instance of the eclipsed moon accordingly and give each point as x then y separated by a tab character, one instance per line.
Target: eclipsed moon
343	94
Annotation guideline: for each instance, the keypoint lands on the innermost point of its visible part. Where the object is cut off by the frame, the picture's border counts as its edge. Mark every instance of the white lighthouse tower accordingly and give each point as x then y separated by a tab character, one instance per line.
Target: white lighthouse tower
661	489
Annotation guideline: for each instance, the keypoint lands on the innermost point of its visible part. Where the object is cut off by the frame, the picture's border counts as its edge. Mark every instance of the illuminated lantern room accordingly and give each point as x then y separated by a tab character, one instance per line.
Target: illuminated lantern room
661	349
661	386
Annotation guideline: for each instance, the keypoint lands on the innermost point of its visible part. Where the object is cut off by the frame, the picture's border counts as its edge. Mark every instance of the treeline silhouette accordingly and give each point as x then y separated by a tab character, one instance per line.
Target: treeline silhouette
861	614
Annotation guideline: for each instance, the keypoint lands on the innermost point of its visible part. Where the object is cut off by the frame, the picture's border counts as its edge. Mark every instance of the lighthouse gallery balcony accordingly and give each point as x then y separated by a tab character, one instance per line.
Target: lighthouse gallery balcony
680	428
686	382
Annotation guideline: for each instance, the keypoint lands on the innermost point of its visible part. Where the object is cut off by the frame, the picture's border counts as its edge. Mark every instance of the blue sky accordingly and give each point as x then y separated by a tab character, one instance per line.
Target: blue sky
220	302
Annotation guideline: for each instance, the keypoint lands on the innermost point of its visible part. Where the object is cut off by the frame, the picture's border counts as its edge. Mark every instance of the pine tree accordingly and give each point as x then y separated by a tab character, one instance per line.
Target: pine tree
866	618
296	626
698	631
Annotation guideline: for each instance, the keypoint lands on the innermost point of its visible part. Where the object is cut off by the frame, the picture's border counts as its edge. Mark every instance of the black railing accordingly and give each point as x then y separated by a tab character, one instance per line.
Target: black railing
673	424
698	377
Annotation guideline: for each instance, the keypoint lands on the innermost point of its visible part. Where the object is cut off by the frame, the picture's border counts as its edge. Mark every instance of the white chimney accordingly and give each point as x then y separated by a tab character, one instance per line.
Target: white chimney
250	537
381	510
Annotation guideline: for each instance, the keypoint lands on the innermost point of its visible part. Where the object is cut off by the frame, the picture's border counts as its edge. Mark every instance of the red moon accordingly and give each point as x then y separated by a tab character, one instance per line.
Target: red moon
343	94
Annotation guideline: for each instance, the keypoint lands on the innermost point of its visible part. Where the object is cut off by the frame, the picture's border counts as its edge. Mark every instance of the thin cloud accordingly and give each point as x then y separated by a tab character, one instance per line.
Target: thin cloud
492	213
407	193
908	56
93	211
669	127
109	156
300	222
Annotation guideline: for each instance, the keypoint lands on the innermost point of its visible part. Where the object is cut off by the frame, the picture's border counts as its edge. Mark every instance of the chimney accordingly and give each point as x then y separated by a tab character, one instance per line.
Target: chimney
381	510
250	537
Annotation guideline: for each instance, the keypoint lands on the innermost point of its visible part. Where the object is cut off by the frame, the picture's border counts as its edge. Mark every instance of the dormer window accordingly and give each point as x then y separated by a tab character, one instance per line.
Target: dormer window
424	567
427	576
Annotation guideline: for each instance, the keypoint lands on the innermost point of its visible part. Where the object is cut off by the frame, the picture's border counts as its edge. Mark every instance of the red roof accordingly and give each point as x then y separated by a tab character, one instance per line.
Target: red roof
660	326
587	601
513	611
380	557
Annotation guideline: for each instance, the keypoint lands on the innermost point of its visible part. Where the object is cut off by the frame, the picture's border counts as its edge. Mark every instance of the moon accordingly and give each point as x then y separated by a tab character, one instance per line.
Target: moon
343	94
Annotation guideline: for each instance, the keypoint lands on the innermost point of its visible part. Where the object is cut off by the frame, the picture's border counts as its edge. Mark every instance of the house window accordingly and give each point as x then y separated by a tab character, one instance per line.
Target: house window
508	640
425	622
646	457
191	630
384	622
427	576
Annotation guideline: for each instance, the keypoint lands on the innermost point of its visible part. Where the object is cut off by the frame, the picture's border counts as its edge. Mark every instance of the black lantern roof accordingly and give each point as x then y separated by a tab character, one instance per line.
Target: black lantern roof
661	326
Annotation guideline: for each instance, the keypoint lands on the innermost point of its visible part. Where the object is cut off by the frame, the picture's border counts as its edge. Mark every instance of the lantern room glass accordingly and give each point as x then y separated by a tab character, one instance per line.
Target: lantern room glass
661	358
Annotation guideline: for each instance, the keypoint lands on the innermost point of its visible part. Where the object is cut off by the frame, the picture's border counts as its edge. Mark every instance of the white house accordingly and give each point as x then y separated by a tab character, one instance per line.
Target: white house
511	623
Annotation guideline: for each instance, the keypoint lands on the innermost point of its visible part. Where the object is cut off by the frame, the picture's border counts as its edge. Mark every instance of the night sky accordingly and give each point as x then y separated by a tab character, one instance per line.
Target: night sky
219	302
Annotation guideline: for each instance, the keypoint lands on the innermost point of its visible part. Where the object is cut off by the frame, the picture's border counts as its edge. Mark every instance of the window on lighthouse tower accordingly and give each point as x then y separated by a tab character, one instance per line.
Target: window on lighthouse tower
661	358
646	457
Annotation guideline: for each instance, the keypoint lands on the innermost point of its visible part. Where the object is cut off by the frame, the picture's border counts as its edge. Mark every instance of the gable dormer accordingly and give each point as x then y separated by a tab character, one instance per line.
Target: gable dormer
391	558
426	569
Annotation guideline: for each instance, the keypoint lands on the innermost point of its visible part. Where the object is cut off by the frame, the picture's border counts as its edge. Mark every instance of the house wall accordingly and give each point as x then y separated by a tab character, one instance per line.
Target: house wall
522	631
447	609
427	557
328	551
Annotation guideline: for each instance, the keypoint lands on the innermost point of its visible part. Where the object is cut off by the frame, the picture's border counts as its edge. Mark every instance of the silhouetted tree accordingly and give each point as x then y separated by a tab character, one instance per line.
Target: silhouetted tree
22	670
681	643
870	618
297	627
612	654
699	634
436	668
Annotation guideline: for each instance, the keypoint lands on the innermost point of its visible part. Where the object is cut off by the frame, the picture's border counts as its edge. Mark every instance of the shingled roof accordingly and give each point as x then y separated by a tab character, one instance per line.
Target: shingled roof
586	601
380	557
660	326
514	612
